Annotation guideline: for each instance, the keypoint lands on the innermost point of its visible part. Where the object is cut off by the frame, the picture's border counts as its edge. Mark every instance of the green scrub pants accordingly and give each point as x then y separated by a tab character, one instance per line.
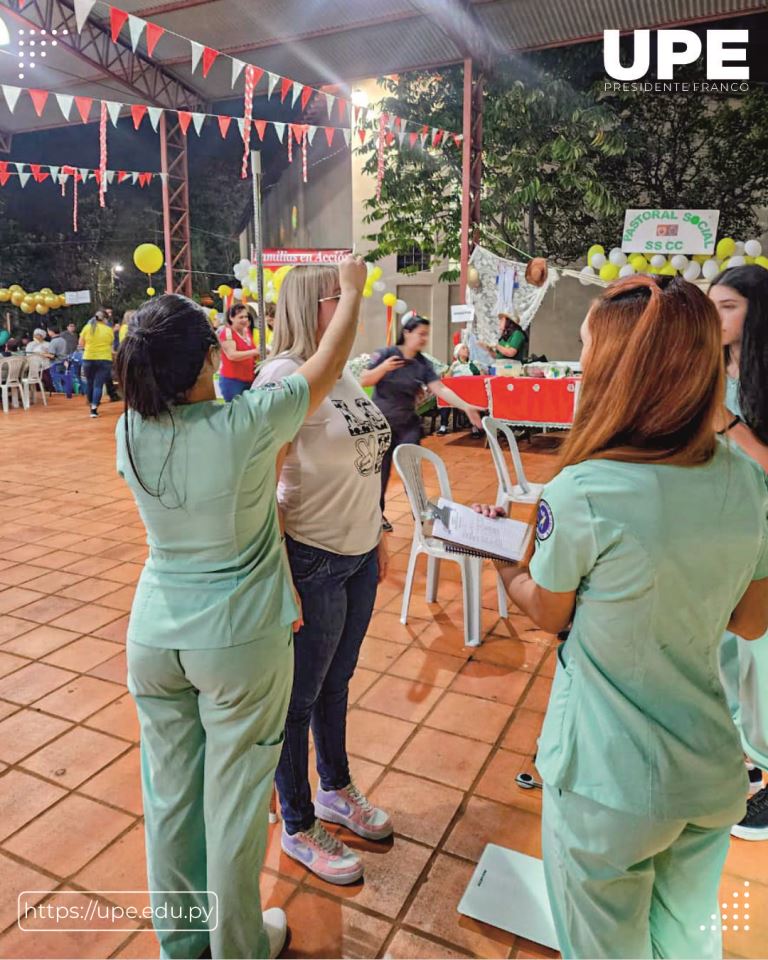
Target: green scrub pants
744	674
625	886
211	733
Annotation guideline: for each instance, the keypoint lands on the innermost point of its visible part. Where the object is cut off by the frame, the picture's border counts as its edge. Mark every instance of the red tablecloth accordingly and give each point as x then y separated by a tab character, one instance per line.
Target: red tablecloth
528	401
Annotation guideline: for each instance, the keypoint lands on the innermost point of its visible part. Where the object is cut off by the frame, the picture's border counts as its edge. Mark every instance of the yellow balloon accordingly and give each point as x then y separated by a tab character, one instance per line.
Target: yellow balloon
280	274
725	248
150	291
668	270
51	302
762	262
15	287
26	307
47	291
390	299
62	300
213	314
246	292
224	290
148	257
254	272
368	292
609	271
38	298
41	309
595	248
749	259
17	297
5	295
724	265
639	262
375	274
702	257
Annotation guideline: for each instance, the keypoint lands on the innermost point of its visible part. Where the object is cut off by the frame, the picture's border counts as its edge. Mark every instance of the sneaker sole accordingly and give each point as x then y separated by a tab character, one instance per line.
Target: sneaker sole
330	816
749	833
329	878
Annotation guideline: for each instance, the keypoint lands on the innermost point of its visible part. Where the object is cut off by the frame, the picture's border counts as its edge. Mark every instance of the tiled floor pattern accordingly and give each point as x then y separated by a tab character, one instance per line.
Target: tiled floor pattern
437	731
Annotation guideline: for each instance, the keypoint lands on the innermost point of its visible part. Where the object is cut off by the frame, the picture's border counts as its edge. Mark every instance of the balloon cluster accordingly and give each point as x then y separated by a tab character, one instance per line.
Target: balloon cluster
392	300
728	253
40	302
148	258
247	275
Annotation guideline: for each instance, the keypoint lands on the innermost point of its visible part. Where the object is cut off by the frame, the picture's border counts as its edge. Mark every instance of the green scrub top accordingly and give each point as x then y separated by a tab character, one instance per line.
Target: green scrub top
517	340
660	556
216	574
732	395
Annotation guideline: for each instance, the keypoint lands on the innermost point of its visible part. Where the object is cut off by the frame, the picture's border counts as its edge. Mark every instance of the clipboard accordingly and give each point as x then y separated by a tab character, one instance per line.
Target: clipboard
448	516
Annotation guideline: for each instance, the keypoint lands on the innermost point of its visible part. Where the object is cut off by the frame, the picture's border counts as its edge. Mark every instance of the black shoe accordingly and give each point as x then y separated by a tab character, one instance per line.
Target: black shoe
386	526
94	412
755	825
755	778
475	434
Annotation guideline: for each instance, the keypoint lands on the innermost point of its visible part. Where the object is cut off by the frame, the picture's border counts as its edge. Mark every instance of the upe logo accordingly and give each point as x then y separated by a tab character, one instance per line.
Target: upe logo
676	48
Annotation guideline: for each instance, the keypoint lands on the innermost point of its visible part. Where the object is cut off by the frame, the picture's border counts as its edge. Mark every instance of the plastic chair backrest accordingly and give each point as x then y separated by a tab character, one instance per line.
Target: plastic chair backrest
5	370
16	367
35	367
492	427
409	462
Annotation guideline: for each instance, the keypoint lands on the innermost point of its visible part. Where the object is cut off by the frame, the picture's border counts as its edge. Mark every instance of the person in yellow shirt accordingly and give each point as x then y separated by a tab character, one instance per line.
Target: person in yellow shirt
125	325
96	343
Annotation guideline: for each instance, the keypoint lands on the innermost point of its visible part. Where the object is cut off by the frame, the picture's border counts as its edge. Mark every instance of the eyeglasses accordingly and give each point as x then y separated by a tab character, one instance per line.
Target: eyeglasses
335	296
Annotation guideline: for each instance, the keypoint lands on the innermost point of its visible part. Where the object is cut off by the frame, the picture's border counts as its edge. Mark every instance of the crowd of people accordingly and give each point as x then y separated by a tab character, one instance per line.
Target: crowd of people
650	552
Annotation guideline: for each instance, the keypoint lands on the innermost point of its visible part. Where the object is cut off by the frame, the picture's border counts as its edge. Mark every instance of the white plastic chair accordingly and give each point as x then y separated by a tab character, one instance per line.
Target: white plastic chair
521	491
409	461
33	378
10	380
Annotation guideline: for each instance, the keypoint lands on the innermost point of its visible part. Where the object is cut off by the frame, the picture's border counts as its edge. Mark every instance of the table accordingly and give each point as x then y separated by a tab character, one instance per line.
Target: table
523	401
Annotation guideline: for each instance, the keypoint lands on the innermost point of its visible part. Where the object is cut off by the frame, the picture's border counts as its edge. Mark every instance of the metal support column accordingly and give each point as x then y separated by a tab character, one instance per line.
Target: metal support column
472	166
173	161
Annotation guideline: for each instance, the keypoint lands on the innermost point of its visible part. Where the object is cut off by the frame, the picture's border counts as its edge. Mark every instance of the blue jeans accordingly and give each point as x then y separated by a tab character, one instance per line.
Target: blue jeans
231	388
97	373
337	595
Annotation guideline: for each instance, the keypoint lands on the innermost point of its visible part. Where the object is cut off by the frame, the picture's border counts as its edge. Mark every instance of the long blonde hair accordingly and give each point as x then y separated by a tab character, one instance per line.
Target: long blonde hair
295	332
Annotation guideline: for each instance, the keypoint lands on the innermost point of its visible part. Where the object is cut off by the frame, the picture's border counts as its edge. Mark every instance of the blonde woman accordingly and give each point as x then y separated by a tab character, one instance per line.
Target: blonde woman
328	495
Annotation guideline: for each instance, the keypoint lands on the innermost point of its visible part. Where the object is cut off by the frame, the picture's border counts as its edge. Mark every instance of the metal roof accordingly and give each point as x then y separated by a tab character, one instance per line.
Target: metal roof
312	41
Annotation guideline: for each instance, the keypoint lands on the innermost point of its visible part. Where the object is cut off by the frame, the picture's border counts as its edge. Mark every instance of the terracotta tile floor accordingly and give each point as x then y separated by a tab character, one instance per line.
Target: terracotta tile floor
437	731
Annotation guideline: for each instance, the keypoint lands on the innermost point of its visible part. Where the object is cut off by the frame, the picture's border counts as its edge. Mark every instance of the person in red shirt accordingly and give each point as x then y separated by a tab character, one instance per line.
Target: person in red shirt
238	353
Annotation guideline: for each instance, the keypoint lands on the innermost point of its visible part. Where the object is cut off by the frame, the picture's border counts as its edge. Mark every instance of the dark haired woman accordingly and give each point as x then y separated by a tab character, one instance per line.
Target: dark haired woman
210	658
238	353
640	759
399	374
741	297
512	343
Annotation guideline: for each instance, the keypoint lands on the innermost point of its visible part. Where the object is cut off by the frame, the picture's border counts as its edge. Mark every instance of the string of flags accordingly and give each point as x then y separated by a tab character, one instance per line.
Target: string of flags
202	54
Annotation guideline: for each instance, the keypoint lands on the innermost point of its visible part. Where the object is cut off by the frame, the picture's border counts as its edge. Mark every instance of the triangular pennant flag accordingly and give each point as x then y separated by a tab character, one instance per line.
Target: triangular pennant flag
412	138
144	179
110	176
154	32
356	114
37	172
438	138
198	119
163	178
11	95
84	173
397	122
297	89
197	52
117	20
347	135
261	126
63	177
84	105
82	9
329	101
23	177
286	86
121	175
342	109
241	126
224	123
54	172
306	95
138	111
209	56
185	118
19	166
237	68
97	177
361	133
272	79
258	73
389	138
135	28
298	131
311	131
4	177
134	177
154	116
113	109
65	101
279	130
39	98
329	133
457	139
401	137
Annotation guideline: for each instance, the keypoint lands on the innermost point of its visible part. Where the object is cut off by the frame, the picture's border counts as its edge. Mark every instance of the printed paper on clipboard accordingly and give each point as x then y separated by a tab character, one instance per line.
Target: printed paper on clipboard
471	533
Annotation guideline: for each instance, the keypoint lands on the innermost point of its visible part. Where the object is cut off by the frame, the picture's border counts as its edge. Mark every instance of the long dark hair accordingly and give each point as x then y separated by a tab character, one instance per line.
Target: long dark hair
510	326
751	281
413	321
159	362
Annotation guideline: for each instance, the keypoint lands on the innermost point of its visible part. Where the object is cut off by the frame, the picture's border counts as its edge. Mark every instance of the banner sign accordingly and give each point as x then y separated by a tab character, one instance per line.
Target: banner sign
670	231
295	256
73	297
462	313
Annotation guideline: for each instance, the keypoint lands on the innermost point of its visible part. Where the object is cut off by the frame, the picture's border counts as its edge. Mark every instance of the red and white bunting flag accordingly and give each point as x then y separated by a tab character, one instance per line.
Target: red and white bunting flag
65	101
113	109
37	173
138	112
82	9
342	104
185	118
39	99
4	174
329	133
11	95
84	105
361	133
224	123
261	126
297	88
197	52
412	138
279	129
209	56
117	20
272	79
122	175
347	135
286	85
154	32
154	116
306	96
237	68
135	29
198	119
329	101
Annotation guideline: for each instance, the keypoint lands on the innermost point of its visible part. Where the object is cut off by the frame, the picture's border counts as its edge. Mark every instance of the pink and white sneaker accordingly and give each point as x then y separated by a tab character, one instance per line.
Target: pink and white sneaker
323	854
352	809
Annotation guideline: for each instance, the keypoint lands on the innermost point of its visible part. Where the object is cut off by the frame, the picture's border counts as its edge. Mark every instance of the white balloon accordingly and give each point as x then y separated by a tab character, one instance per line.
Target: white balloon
679	262
736	261
400	306
379	285
617	257
753	248
598	260
710	269
692	271
658	260
238	293
740	248
627	270
587	272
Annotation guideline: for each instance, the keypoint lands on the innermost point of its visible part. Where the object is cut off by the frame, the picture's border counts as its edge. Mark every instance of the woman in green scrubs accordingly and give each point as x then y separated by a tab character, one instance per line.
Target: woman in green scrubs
650	540
210	657
741	297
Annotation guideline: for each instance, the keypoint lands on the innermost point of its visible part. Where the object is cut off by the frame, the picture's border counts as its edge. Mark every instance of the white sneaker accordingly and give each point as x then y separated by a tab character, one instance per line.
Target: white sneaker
276	929
323	854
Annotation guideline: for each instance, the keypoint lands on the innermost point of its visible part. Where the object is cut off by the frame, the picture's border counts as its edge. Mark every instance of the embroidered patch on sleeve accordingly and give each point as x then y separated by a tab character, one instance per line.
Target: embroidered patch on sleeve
545	521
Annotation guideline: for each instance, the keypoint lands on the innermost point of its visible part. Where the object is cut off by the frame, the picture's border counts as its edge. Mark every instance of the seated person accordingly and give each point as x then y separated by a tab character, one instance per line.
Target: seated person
462	366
